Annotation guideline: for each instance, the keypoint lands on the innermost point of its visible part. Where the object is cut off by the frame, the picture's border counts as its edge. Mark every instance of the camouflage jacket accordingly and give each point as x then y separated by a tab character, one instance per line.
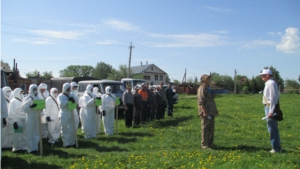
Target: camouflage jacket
206	98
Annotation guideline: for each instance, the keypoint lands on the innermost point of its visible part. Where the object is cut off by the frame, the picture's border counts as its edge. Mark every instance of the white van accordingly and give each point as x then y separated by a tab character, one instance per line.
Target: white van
117	86
132	82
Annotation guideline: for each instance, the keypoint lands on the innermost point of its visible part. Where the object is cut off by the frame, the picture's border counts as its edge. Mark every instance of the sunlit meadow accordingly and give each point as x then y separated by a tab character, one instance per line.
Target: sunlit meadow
241	140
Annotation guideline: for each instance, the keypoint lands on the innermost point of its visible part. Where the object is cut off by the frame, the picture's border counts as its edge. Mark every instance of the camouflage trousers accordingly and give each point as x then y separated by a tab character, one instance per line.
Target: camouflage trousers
207	133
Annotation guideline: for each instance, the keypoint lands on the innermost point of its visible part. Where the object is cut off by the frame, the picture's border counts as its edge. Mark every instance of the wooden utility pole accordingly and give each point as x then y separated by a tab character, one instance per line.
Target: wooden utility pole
235	81
130	52
184	77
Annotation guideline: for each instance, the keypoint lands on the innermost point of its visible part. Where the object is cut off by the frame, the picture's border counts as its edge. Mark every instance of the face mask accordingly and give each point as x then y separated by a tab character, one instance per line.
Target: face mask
21	96
55	94
7	94
67	93
34	92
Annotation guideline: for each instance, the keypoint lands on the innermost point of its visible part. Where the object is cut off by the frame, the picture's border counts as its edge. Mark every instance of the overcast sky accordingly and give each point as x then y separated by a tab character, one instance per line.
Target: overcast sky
200	36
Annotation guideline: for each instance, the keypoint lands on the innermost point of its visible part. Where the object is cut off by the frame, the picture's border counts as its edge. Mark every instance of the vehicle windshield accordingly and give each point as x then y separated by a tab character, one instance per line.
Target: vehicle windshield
116	88
138	82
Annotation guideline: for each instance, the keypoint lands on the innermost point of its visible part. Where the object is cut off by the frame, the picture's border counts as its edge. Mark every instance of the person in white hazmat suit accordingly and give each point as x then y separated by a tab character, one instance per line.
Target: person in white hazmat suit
51	113
74	92
43	93
89	112
65	116
108	110
98	94
6	133
17	116
32	120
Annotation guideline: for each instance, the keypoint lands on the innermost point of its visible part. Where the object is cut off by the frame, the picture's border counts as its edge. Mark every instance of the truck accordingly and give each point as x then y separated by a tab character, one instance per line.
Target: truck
58	82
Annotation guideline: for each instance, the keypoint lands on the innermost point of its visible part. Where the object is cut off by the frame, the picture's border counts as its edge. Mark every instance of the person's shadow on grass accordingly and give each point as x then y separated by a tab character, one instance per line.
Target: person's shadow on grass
19	163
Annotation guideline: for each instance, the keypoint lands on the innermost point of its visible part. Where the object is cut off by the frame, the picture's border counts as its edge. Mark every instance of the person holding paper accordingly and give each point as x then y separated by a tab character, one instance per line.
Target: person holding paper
98	94
89	113
270	99
74	93
51	113
32	121
108	110
65	116
6	133
17	117
43	93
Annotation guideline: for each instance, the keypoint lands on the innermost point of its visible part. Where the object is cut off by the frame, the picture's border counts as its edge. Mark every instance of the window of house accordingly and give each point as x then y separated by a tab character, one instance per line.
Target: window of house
147	77
156	77
152	68
161	77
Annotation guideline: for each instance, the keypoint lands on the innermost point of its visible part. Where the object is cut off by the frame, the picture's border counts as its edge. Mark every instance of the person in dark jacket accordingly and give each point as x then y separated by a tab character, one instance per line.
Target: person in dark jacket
128	102
160	103
138	105
169	96
153	106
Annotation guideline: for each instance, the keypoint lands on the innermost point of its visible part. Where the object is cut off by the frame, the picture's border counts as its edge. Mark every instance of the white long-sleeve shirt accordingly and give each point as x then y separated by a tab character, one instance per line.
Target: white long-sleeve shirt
271	93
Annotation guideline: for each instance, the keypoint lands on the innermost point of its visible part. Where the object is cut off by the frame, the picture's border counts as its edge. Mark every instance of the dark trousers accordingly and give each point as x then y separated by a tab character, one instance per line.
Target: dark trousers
129	115
145	111
170	107
163	109
159	111
137	116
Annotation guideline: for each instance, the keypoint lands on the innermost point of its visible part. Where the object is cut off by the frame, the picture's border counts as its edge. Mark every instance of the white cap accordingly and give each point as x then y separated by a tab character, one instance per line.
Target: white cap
266	72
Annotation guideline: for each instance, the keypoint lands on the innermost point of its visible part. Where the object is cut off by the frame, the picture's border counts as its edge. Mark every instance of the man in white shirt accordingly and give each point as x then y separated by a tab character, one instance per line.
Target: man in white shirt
270	99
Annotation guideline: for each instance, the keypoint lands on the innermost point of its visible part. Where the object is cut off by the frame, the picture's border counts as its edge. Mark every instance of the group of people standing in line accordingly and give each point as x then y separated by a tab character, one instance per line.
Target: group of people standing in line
208	110
21	123
20	119
144	104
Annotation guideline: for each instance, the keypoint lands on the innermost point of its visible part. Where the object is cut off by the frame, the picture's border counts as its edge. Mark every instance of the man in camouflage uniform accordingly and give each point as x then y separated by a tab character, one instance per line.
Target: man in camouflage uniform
207	112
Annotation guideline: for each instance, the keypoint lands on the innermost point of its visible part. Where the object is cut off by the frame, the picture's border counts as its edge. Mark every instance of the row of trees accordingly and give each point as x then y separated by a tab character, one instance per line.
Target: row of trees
246	85
101	71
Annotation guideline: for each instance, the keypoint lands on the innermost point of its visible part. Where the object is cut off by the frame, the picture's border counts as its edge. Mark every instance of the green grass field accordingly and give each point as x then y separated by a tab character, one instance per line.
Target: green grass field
241	140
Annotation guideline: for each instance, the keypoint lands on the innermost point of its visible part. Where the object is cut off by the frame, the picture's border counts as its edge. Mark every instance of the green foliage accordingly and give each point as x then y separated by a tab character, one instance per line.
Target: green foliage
241	140
175	81
47	75
119	74
224	81
34	73
138	76
102	70
292	86
76	71
167	79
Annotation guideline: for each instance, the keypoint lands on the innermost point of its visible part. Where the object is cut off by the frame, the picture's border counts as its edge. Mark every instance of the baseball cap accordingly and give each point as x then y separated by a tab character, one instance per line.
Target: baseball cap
266	72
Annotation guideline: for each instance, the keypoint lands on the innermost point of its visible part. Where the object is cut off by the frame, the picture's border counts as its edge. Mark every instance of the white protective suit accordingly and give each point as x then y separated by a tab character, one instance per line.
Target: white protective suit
65	117
89	113
97	94
52	111
74	94
16	114
32	120
7	132
44	96
108	105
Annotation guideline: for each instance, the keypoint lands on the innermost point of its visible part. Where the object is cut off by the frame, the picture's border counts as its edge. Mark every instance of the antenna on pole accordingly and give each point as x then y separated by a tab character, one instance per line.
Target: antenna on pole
130	52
